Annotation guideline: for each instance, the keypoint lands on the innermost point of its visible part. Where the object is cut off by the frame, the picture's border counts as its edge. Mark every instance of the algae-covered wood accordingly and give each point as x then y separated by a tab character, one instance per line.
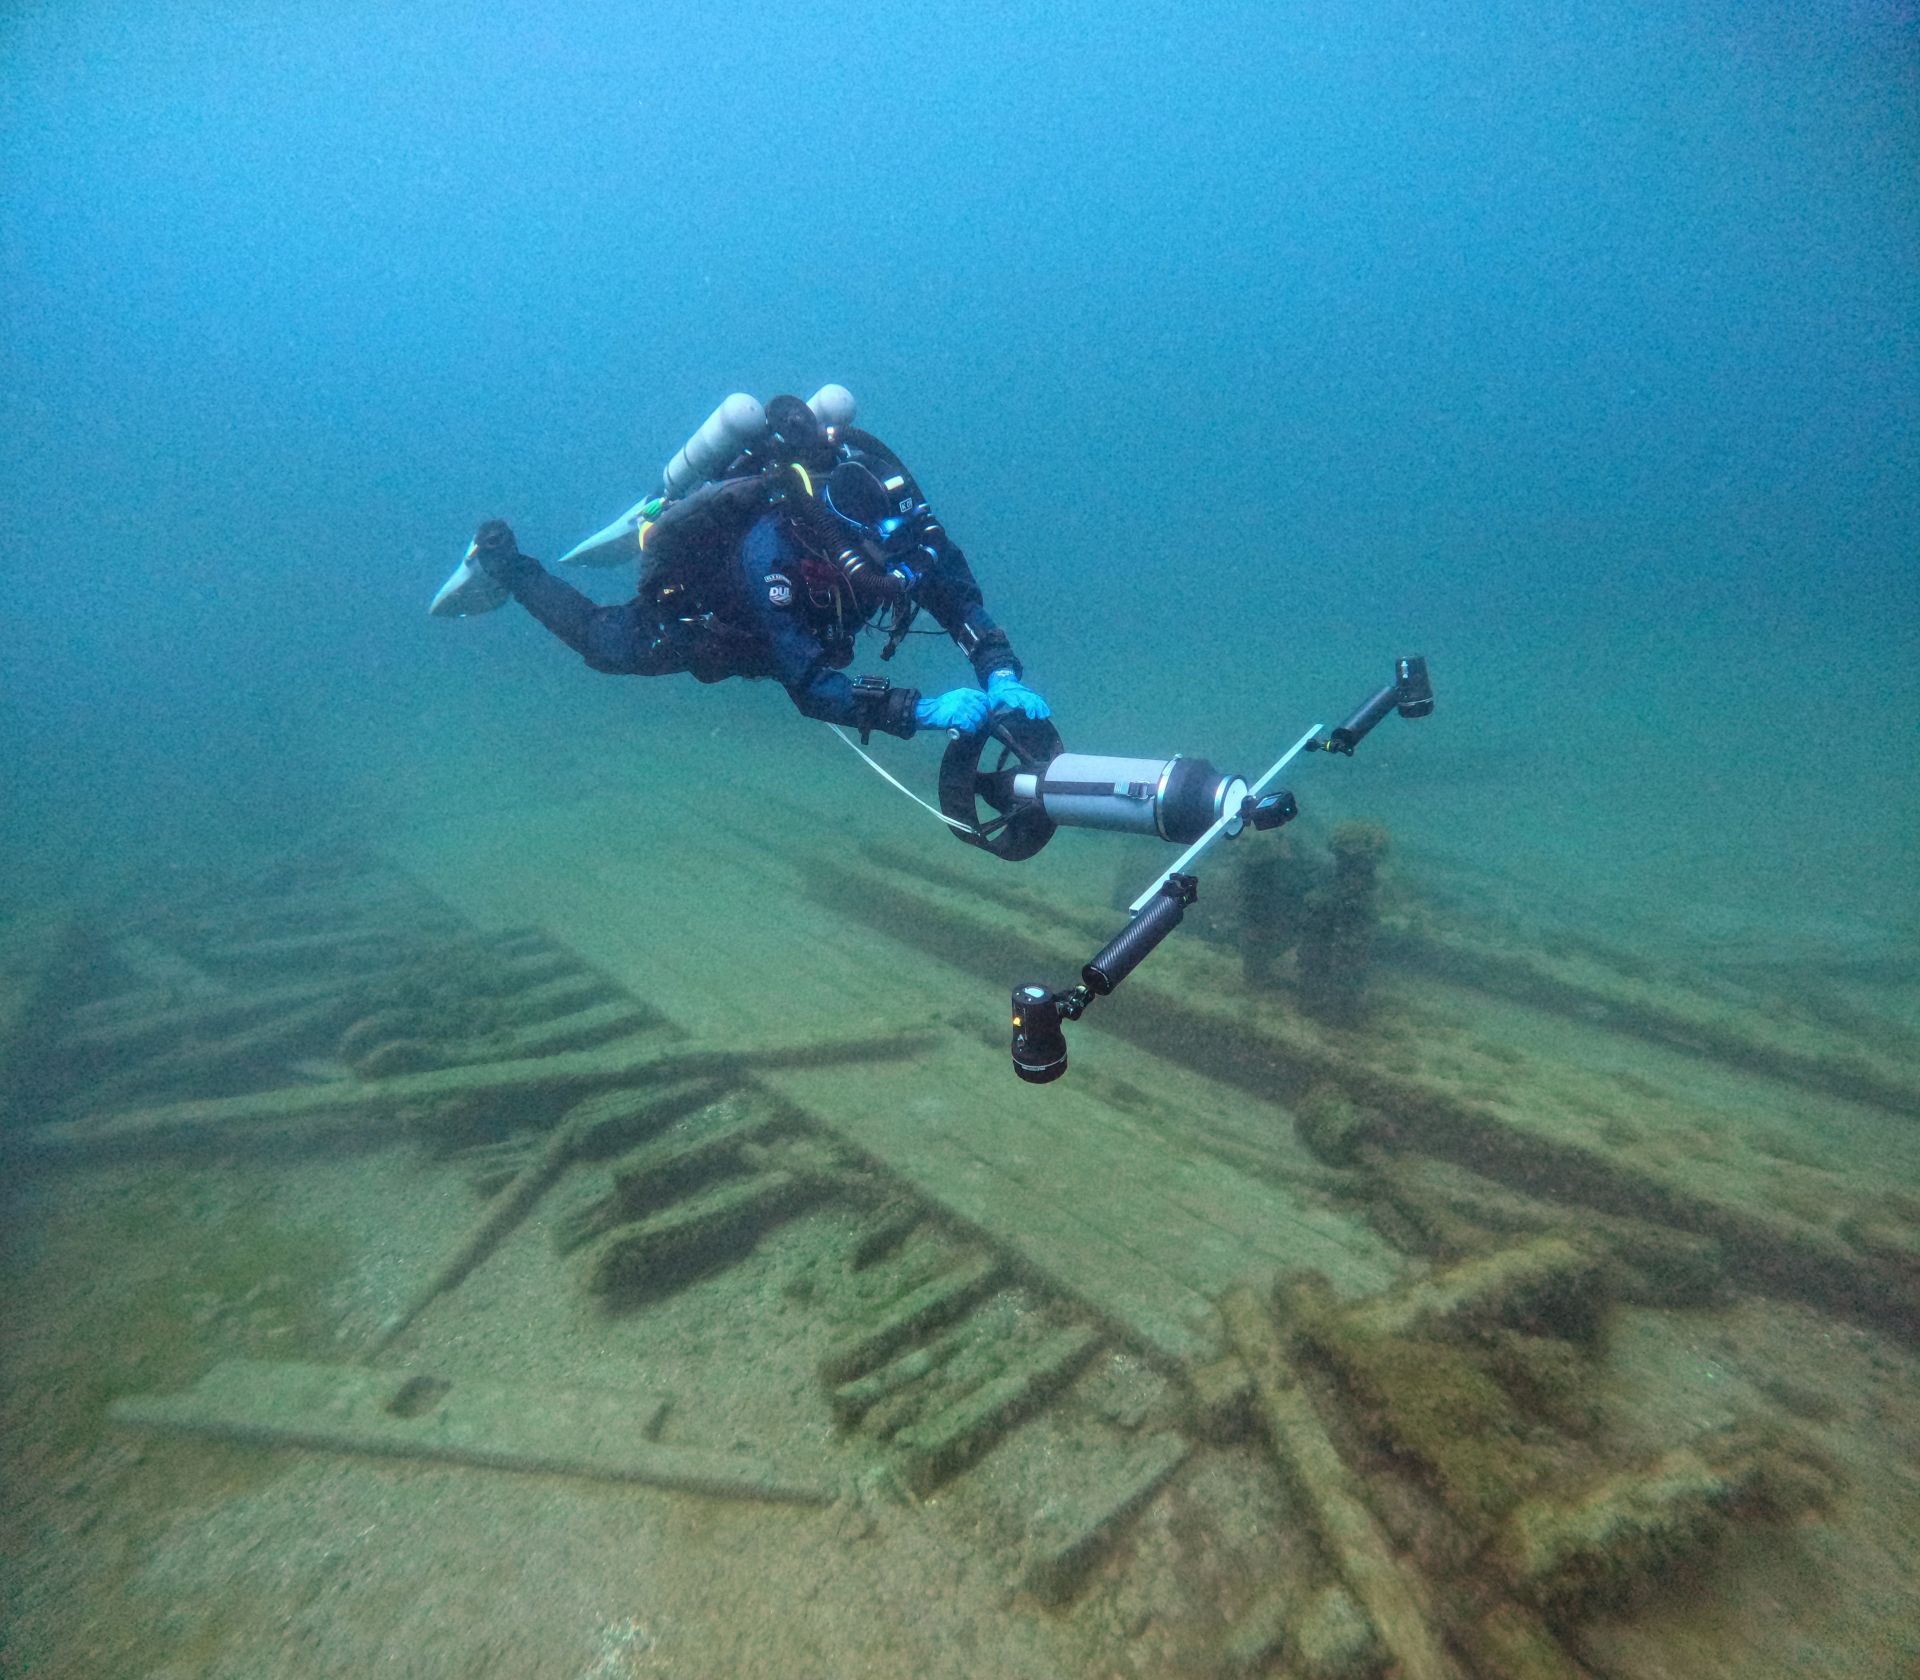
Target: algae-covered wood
403	1414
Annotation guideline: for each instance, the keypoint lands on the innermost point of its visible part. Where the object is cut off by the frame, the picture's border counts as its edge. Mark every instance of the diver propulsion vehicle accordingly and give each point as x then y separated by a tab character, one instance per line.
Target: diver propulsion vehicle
736	425
1035	787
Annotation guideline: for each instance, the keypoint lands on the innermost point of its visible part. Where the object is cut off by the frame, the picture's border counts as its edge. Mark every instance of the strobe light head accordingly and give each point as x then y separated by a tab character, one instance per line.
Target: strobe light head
1039	1046
1412	687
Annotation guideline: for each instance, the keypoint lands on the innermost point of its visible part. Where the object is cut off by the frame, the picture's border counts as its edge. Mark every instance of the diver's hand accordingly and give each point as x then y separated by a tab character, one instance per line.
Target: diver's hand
494	549
1007	693
964	709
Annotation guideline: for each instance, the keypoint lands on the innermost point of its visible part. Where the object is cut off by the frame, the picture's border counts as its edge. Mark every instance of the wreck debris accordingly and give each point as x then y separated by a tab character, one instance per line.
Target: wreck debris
852	1400
124	1025
586	1123
1220	1398
1598	1549
1336	1639
35	953
1275	883
1546	1287
395	1414
154	965
1329	1638
693	1149
378	1104
891	1225
1425	1552
1072	1535
1333	1126
648	1254
1457	1213
1395	1598
1452	1375
1483	1118
1258	1636
932	1305
946	1443
1511	1642
1597	984
1343	914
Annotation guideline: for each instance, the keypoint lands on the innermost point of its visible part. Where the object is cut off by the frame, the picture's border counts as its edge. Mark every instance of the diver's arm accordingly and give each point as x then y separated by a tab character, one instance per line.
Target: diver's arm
832	698
947	590
614	639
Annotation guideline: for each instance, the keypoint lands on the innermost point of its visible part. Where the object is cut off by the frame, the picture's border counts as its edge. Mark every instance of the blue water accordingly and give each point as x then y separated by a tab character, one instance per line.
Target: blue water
1243	350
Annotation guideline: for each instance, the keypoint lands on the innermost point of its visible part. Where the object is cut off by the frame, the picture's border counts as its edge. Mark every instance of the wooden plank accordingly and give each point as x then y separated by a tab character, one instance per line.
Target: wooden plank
1113	1213
397	1414
1072	1533
1123	1215
1448	1084
377	1102
934	1304
840	935
1726	1028
510	1205
942	1446
1064	1241
1394	1596
641	1255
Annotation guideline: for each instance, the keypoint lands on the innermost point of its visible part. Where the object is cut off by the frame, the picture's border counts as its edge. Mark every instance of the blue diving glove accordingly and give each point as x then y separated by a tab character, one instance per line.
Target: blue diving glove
1007	693
964	709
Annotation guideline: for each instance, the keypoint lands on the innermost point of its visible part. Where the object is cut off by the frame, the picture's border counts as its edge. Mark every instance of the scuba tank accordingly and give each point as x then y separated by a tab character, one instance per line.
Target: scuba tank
735	426
731	429
832	406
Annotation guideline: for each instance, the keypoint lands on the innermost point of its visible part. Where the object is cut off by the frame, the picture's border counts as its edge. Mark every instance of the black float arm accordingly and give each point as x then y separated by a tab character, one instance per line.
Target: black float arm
1131	946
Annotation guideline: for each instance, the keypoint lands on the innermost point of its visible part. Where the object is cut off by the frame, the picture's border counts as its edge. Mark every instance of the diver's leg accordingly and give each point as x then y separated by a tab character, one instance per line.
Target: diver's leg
622	639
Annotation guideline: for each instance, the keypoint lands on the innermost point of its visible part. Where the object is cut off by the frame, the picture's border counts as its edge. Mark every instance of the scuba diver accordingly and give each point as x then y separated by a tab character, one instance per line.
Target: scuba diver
808	534
779	534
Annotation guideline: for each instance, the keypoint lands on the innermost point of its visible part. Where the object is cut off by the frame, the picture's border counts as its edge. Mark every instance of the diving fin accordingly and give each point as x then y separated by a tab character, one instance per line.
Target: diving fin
468	591
611	543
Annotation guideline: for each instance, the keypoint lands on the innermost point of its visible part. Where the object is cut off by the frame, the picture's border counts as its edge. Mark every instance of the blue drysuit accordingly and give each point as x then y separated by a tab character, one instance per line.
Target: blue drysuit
766	613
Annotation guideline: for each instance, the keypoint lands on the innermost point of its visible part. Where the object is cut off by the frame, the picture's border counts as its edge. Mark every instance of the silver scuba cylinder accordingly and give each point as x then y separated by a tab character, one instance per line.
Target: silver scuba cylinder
1176	798
832	405
737	424
730	428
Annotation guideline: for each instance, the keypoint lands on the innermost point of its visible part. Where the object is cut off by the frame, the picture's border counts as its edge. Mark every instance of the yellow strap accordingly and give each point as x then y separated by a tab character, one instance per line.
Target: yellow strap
806	478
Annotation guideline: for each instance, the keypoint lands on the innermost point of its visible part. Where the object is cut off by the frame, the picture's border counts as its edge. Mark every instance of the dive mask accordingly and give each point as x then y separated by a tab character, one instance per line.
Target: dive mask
886	512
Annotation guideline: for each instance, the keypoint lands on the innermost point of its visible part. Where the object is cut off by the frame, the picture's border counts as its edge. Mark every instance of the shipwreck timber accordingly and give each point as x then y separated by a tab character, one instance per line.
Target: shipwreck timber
1238	1235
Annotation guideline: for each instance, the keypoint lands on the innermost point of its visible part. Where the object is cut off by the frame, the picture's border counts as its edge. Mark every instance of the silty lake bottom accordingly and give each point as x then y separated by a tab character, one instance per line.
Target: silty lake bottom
554	1232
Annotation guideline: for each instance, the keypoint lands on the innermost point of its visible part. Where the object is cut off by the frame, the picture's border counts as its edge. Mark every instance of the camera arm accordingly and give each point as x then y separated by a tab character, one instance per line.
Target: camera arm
1039	1013
1039	1048
1410	693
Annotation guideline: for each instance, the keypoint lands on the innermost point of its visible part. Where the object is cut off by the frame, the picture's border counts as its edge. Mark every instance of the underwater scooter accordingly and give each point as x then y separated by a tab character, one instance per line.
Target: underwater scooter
1036	787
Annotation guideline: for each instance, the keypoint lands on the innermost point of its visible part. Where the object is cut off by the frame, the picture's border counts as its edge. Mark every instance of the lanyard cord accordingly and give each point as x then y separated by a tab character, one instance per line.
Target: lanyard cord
880	770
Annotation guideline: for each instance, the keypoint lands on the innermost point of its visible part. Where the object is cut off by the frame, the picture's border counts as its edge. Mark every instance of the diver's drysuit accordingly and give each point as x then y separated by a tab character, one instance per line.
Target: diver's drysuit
764	598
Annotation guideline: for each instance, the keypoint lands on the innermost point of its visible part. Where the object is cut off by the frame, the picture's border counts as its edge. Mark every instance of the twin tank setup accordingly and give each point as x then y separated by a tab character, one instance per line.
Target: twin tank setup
1035	786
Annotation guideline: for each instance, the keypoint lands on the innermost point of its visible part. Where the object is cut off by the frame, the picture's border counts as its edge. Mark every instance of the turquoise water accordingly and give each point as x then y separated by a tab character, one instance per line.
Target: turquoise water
1243	349
1241	352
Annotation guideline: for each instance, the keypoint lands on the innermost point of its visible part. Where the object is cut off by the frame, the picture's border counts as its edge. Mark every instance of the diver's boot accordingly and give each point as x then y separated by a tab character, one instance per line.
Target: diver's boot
479	582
